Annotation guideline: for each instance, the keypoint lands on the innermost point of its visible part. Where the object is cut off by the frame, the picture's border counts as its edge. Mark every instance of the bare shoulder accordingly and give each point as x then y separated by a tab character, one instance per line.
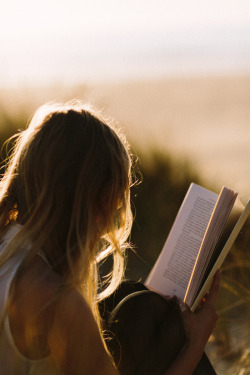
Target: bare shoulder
36	286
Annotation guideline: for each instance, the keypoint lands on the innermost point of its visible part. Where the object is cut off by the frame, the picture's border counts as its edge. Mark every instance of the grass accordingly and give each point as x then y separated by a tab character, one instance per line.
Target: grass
9	125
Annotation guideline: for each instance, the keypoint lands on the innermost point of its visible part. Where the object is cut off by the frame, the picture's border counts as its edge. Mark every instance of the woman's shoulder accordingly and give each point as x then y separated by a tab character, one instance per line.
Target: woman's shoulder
38	291
36	284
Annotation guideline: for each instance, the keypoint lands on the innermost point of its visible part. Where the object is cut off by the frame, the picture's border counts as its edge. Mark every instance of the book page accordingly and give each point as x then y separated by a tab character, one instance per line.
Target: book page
214	230
171	273
229	243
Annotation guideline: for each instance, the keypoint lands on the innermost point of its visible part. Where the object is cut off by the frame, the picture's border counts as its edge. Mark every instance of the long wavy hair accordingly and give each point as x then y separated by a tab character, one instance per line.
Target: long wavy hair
67	183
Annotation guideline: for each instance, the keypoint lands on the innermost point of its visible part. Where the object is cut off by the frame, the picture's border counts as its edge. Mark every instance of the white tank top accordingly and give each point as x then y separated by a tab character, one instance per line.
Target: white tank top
12	362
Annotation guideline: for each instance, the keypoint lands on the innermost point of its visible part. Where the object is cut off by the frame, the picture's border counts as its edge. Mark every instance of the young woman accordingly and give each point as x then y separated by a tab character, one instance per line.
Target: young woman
64	207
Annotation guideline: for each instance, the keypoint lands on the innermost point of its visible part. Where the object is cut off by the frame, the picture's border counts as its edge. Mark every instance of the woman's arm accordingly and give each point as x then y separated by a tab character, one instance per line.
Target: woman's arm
198	327
74	340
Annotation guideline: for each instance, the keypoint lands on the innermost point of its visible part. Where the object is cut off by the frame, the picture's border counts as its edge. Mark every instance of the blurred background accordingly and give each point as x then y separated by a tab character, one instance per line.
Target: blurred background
176	77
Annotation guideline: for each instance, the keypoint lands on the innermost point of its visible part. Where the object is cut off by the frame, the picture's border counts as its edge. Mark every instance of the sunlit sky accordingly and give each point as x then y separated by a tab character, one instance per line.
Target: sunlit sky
77	40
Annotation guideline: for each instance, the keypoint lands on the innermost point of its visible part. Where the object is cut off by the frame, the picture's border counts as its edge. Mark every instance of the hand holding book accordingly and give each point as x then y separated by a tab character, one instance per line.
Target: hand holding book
199	325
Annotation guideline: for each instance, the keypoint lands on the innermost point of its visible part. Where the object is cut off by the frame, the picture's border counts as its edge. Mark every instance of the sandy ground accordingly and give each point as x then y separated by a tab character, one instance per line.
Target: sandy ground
206	119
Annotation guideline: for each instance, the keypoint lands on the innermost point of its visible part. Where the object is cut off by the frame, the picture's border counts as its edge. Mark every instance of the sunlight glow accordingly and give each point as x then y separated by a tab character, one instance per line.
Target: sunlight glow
51	38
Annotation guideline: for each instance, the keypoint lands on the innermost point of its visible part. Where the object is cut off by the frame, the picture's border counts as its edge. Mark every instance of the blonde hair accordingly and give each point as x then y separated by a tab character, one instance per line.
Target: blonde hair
68	183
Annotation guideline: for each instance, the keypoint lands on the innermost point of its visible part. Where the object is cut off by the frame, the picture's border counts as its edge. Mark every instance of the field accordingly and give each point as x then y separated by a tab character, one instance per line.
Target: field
204	119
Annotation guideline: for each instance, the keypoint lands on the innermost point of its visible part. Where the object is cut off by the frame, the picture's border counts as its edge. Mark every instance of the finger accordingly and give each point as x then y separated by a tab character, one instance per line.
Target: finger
213	292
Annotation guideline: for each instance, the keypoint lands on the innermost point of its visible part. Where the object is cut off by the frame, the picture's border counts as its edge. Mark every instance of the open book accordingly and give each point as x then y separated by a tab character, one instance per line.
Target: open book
197	244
